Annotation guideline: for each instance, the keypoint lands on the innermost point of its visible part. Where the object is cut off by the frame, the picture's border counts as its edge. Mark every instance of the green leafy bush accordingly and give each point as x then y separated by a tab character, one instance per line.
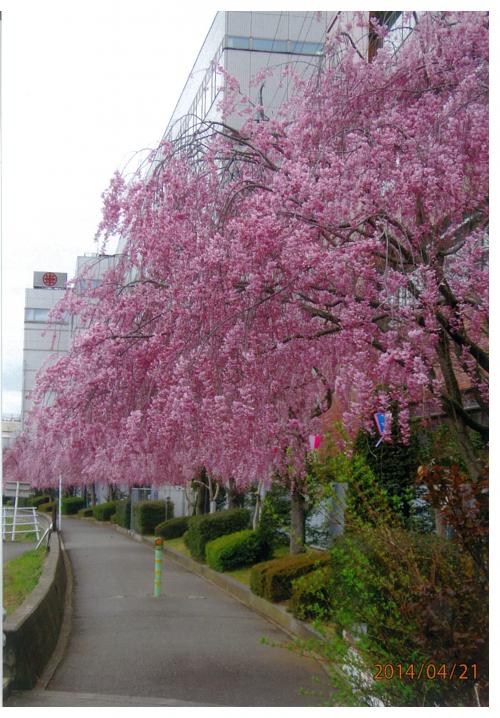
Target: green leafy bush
148	514
86	512
72	504
173	528
274	524
236	550
205	528
122	514
47	507
103	512
273	579
312	595
38	500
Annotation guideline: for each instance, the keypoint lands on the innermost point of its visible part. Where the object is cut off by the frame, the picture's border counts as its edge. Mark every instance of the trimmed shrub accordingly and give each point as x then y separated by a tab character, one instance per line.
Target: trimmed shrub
38	500
85	513
273	579
173	528
122	515
47	507
312	597
206	527
103	512
72	504
148	514
236	550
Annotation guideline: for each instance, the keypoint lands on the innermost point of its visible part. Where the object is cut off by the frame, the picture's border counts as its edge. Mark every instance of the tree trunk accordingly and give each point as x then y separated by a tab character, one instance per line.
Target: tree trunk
92	494
202	494
234	498
455	410
258	507
298	520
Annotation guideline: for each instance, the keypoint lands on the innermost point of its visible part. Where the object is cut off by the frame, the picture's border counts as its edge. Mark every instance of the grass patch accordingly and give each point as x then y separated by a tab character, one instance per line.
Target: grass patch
20	576
178	545
240	574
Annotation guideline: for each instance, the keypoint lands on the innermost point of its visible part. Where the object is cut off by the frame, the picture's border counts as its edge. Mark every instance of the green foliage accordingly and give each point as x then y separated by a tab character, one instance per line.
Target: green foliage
148	514
274	524
122	514
173	528
395	464
236	550
273	579
104	511
312	595
47	507
72	504
86	512
38	500
204	528
20	577
401	597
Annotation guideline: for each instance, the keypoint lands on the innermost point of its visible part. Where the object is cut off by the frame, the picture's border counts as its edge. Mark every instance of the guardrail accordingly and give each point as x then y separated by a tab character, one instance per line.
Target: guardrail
19	520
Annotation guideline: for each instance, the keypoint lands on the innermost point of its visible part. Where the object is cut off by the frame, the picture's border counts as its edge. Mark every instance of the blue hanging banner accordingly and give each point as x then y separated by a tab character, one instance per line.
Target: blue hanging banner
380	422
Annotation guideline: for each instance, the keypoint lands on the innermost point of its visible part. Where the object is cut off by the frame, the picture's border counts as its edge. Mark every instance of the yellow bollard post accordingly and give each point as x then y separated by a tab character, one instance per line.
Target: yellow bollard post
158	563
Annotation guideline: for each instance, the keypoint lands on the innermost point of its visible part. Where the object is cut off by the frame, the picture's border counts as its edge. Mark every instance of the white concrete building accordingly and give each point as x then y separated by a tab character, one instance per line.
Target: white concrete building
245	43
45	342
43	345
11	427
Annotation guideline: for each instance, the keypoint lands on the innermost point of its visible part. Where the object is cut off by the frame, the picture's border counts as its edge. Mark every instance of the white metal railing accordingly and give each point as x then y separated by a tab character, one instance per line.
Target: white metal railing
18	521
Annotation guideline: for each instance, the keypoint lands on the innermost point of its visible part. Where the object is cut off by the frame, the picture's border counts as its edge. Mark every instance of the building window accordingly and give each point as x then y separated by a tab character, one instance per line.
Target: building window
262	44
38	314
238	43
307	48
267	44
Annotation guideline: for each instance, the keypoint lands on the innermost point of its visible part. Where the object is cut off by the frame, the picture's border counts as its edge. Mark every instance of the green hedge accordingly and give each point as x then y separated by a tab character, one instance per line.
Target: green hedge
148	514
103	512
206	527
86	512
72	504
122	515
47	507
273	579
173	528
38	500
236	550
312	596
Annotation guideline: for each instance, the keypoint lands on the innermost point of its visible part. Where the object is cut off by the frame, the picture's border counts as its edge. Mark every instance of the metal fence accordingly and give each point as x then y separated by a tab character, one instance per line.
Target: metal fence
19	521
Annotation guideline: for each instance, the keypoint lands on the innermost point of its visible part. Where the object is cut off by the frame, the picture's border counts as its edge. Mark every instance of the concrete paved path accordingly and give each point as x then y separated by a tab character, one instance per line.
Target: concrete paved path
195	644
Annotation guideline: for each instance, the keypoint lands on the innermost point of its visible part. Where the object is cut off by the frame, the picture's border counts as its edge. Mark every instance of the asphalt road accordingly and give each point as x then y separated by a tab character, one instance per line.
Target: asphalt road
194	644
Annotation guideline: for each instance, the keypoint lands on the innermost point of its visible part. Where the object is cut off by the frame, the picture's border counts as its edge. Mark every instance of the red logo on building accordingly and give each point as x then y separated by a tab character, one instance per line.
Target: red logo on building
49	279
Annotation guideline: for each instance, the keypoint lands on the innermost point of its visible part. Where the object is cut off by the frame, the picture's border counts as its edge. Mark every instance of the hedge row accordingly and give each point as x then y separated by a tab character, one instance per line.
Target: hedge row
205	528
273	579
72	505
148	514
173	528
122	514
86	512
47	507
236	550
38	500
312	595
103	512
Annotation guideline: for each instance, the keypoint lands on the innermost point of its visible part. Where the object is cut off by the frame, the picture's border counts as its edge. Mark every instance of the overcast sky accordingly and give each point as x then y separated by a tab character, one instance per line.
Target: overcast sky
84	87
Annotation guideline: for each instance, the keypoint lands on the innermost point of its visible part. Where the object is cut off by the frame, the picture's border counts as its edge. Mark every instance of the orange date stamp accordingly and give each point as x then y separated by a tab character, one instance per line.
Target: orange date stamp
426	671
